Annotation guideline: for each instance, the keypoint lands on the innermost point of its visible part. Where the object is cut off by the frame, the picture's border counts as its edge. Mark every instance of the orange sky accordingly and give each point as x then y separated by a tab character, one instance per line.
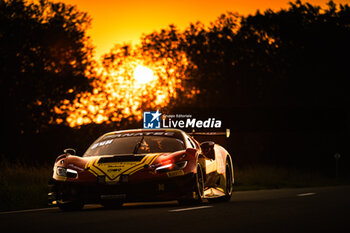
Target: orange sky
120	21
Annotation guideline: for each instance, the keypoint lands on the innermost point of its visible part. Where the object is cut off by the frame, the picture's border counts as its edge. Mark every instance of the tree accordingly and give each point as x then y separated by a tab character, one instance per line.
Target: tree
45	57
291	57
307	56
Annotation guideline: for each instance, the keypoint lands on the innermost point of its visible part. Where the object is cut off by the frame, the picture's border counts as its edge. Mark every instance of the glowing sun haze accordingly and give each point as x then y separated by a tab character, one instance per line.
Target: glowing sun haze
129	84
143	74
119	21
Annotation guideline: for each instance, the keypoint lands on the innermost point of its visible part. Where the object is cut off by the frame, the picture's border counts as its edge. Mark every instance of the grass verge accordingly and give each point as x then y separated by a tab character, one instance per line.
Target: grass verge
24	186
271	177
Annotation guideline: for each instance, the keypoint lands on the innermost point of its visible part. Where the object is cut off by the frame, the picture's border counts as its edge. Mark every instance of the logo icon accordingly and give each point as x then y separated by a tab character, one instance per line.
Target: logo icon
151	120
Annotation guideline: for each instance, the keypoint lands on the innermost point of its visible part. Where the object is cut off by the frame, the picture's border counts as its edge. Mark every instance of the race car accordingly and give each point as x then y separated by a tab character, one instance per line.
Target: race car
142	165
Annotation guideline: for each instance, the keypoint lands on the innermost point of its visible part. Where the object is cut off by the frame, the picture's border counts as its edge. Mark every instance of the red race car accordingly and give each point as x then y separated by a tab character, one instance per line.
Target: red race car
142	165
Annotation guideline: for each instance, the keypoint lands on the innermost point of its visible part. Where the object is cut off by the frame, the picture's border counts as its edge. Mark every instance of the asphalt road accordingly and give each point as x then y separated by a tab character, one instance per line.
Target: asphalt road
323	209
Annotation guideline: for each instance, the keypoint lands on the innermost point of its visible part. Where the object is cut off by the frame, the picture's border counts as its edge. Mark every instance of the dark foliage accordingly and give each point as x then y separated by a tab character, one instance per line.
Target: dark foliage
45	58
278	79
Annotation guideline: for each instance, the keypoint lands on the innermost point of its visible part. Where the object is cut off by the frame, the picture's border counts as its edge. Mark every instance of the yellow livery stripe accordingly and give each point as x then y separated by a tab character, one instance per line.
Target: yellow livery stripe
149	159
152	158
126	168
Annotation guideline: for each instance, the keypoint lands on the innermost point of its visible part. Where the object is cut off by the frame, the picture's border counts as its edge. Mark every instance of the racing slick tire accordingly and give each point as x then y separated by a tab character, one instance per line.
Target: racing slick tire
228	182
198	192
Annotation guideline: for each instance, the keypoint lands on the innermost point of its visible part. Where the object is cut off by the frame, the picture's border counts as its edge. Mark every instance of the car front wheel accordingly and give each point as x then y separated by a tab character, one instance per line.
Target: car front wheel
197	195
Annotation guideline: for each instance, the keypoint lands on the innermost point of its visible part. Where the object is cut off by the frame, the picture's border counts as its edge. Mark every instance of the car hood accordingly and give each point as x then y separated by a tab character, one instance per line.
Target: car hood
113	166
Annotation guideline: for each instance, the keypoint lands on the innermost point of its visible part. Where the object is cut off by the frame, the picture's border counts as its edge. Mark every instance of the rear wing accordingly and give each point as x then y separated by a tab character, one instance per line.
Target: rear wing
194	133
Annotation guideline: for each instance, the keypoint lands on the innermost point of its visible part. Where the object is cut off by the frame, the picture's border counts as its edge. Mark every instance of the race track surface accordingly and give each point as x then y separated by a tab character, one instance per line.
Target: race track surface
323	209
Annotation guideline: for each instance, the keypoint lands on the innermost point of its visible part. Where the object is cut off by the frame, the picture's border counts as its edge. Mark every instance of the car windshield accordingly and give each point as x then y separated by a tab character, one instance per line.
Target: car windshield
134	145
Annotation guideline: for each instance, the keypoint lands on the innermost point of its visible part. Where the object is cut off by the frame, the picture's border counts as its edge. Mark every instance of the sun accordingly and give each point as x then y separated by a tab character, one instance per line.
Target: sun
124	87
143	74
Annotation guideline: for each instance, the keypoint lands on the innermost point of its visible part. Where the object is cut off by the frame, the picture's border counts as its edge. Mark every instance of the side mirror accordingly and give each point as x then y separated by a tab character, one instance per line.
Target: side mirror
70	151
208	149
191	151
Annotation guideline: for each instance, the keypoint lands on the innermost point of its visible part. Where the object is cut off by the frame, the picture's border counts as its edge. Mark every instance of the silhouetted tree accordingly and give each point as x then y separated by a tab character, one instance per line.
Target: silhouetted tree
213	52
305	55
45	58
166	47
291	57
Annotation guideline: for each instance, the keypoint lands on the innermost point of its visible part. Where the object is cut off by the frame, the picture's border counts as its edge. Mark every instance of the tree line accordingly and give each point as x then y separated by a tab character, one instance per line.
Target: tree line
289	58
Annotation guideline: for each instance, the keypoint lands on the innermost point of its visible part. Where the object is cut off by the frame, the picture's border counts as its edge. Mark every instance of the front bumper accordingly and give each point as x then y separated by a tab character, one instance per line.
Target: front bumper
174	188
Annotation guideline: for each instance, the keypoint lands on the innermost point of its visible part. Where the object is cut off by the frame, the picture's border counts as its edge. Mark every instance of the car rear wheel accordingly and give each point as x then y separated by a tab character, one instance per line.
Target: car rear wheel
228	182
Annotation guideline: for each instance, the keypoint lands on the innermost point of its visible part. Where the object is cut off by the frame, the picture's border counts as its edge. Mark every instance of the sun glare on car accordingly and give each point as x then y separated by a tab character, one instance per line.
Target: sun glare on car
143	74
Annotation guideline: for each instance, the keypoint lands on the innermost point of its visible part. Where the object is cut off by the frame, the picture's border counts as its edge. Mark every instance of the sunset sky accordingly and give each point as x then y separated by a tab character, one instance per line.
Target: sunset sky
121	21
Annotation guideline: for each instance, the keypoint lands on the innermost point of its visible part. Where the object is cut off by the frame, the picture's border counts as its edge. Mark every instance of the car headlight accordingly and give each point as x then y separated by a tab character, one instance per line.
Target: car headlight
61	171
172	166
67	172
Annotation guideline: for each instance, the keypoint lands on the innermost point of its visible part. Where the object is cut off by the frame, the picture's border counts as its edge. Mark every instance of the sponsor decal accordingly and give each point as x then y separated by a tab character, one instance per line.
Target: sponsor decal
175	173
124	178
114	170
114	173
152	133
101	144
161	187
